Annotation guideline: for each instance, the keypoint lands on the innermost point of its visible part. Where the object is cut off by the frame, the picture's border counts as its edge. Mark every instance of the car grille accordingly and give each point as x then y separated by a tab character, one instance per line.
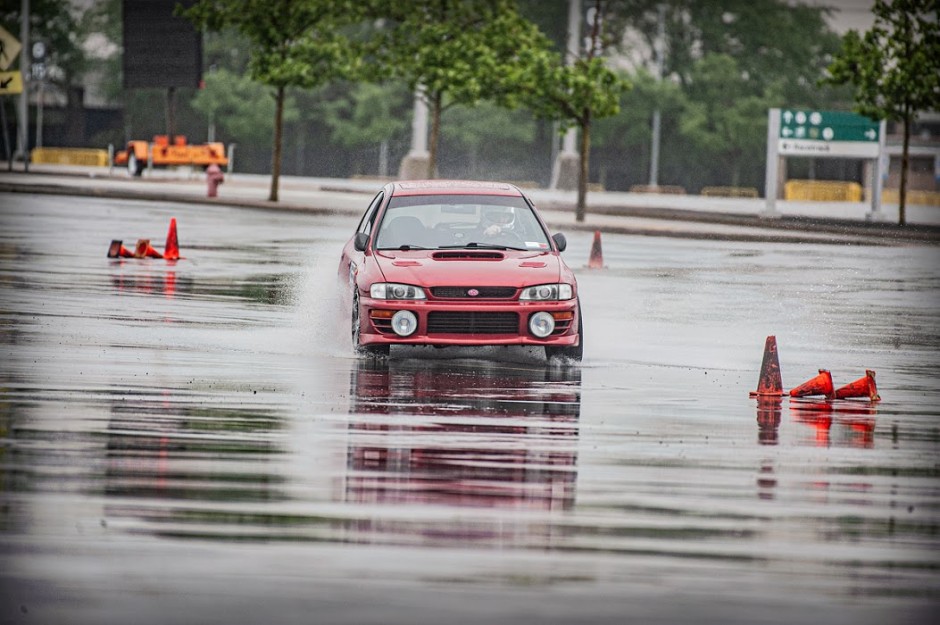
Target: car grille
441	322
484	292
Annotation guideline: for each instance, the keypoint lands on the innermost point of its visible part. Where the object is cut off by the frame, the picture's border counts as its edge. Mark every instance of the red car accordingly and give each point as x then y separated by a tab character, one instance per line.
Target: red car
447	262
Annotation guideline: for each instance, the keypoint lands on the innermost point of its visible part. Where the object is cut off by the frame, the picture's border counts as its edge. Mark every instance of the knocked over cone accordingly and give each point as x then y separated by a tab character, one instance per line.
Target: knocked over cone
862	387
820	385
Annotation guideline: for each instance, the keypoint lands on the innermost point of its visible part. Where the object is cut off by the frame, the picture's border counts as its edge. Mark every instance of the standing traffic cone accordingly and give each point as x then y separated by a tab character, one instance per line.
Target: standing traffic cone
171	250
117	250
770	382
597	257
145	250
862	387
820	385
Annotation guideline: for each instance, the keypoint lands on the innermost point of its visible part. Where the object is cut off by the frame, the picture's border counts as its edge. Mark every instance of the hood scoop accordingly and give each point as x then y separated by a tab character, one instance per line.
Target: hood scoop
467	255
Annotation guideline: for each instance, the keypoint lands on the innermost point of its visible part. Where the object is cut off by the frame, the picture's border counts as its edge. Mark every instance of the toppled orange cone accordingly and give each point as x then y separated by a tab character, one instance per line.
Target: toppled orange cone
117	250
770	383
145	250
171	250
820	385
862	387
596	261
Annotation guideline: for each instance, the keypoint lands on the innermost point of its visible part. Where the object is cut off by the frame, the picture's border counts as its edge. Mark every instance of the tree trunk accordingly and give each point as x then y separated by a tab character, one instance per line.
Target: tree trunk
276	156
435	134
902	191
585	155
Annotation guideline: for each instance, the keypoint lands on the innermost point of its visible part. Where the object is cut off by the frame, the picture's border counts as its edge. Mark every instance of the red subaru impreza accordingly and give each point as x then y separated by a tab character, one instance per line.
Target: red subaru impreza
447	262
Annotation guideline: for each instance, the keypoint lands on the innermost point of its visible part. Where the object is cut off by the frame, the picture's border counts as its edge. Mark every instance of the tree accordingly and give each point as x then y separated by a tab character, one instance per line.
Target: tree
894	68
576	94
455	53
721	118
509	132
370	114
293	43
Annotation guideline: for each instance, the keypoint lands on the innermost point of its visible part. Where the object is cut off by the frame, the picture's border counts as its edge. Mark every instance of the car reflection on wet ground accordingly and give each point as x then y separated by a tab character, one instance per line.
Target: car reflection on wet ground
190	441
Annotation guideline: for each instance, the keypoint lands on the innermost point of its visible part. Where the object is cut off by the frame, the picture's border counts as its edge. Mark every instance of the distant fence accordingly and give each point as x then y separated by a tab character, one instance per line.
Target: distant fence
69	156
668	189
822	191
729	191
921	198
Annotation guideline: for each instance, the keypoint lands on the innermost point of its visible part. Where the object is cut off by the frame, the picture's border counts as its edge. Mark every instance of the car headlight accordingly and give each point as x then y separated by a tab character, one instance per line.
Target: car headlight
391	290
543	292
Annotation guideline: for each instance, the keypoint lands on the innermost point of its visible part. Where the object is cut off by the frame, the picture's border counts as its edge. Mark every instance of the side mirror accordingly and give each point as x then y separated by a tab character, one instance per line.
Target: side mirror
560	241
360	241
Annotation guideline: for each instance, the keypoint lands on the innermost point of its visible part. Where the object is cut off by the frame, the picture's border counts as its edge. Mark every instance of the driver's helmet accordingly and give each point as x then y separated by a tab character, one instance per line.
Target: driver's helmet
503	216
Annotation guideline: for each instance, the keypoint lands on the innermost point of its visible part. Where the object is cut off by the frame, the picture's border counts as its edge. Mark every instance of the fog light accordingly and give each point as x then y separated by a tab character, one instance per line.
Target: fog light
404	323
541	324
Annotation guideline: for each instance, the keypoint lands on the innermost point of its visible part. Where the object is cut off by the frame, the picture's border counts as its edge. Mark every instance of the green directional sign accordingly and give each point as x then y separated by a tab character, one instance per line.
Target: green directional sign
828	133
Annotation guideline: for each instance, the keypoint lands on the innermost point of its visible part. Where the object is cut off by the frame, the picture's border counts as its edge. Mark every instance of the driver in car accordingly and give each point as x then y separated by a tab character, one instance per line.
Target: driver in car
497	221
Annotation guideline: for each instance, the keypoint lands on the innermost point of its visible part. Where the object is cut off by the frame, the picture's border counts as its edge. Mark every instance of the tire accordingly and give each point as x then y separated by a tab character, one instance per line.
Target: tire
359	349
134	166
573	353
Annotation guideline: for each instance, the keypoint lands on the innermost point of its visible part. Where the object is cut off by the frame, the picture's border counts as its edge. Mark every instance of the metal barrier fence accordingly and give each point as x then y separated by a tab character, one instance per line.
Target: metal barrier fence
822	191
69	156
729	192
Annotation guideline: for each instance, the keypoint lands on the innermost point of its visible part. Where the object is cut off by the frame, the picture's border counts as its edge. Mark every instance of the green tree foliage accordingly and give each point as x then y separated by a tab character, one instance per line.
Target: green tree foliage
722	119
575	94
292	43
455	53
894	68
367	114
240	106
768	52
478	129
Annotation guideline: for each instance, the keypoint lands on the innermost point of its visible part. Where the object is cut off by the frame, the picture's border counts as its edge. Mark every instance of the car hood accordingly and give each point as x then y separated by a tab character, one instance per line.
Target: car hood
469	267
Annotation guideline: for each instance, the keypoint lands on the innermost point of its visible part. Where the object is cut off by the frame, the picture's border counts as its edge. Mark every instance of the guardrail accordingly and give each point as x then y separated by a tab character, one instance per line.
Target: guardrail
822	191
921	198
729	192
69	156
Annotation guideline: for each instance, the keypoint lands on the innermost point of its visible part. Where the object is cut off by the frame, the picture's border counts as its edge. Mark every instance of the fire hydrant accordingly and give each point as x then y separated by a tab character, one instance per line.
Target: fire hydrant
214	177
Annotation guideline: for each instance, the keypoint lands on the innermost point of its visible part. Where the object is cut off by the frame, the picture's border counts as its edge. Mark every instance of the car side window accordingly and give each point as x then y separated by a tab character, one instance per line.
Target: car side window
365	226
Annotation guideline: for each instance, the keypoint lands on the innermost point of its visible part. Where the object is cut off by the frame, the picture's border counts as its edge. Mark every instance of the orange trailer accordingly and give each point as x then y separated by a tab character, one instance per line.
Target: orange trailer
160	153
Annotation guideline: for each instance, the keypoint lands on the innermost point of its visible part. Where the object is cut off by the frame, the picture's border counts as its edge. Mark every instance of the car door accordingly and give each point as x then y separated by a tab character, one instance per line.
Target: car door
352	258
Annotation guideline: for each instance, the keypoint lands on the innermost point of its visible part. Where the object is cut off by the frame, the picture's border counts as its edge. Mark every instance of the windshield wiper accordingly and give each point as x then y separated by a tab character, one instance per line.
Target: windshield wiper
482	246
405	248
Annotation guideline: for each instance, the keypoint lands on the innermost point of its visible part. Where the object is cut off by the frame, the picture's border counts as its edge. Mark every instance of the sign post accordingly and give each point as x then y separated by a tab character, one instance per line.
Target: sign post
823	134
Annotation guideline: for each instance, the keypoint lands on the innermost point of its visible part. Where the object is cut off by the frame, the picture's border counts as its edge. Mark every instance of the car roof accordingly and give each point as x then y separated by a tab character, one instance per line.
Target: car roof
454	187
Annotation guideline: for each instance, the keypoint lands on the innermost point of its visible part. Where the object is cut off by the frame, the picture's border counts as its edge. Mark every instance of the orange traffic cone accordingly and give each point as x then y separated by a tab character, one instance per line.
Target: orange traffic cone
145	250
862	387
172	249
770	382
117	250
820	385
597	257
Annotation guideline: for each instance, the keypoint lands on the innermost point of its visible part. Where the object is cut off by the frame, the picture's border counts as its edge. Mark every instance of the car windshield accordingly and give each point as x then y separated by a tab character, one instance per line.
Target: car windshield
457	221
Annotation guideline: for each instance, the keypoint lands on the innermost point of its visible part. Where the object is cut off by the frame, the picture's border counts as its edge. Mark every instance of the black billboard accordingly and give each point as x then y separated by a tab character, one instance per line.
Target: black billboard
160	49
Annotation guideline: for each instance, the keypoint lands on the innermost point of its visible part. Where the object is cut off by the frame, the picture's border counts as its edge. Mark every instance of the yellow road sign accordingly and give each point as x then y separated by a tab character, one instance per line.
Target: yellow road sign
11	83
9	48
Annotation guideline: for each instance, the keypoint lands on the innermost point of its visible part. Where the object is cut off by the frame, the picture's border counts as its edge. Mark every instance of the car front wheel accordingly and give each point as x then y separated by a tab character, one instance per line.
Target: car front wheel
358	348
575	352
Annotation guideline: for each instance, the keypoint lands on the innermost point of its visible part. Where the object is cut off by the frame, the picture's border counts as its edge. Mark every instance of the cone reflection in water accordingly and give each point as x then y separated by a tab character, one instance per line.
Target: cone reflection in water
770	382
145	250
596	260
820	385
862	387
171	250
769	409
117	250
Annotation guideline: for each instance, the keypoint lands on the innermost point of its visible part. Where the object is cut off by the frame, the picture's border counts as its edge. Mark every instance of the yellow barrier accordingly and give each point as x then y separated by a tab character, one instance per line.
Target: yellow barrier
729	191
921	198
69	156
667	189
822	191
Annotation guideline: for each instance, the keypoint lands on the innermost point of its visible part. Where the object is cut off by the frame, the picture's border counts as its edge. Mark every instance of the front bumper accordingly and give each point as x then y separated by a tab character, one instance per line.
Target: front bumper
476	324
